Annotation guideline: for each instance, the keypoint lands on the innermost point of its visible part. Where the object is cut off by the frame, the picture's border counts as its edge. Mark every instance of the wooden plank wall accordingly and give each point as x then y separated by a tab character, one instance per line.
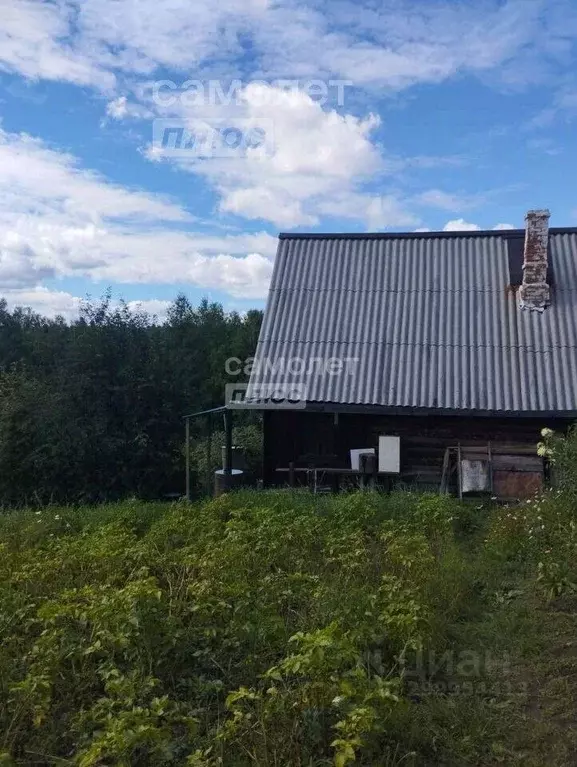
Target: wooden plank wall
291	434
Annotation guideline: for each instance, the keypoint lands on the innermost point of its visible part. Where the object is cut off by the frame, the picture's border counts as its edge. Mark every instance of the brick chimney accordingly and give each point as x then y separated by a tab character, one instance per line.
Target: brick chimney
535	293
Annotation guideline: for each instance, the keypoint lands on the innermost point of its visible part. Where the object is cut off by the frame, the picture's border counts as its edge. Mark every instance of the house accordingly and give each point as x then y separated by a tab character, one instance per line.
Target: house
461	344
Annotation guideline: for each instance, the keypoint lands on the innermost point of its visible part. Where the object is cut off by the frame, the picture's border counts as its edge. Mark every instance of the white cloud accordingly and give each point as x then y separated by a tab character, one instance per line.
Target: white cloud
176	34
322	159
53	303
240	265
33	176
393	45
92	42
58	219
275	205
34	41
460	225
398	44
154	307
49	303
316	156
247	277
120	109
314	160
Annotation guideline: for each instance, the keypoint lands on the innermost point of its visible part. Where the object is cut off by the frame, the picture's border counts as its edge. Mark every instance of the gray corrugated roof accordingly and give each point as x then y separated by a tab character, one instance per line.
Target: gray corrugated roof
429	318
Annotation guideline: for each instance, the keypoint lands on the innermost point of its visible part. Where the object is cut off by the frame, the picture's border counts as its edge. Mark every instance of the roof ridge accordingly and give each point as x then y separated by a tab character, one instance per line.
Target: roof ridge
503	233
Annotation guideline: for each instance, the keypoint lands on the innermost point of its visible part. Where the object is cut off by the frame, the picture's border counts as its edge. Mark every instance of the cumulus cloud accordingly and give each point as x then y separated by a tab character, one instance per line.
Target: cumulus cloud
315	155
247	277
460	225
59	219
317	162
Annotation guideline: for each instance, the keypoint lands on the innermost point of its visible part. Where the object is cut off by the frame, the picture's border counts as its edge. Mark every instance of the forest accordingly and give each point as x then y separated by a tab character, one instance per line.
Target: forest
91	410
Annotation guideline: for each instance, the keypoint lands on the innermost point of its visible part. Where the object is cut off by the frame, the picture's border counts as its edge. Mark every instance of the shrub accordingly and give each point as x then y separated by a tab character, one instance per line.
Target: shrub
541	533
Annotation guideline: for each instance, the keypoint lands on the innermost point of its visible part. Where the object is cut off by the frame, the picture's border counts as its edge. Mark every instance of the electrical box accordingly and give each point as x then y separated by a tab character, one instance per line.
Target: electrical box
389	455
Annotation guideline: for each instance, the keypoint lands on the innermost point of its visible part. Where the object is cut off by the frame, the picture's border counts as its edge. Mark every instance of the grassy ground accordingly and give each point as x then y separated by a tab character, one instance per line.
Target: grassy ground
520	708
546	730
292	630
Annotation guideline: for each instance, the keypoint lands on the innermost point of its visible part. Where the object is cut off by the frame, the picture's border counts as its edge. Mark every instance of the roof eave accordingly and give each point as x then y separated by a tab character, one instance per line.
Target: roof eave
359	409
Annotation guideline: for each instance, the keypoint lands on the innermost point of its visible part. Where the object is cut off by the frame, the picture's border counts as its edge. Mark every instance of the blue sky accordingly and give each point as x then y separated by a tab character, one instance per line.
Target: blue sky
376	116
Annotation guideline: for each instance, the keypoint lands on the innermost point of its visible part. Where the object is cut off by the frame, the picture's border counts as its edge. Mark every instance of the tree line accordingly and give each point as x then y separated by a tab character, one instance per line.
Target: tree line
91	410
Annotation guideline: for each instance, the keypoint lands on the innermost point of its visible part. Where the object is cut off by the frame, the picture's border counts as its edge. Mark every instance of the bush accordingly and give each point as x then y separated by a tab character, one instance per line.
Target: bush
541	533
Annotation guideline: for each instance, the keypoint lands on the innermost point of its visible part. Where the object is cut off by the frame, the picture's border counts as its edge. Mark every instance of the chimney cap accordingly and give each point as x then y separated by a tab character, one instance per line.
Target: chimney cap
543	213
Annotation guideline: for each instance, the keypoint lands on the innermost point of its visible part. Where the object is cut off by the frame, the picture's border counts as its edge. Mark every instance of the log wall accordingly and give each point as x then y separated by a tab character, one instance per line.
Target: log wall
299	435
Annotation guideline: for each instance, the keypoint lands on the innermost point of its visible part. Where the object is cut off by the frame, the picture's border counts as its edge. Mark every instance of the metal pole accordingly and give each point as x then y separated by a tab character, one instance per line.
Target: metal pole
459	472
490	452
187	453
209	454
228	442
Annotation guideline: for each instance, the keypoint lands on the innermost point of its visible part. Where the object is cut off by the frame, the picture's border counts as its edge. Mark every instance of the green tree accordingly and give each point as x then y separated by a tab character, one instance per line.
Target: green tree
92	410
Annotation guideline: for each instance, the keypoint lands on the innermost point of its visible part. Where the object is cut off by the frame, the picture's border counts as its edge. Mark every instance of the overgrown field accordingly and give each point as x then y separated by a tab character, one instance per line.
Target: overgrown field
287	629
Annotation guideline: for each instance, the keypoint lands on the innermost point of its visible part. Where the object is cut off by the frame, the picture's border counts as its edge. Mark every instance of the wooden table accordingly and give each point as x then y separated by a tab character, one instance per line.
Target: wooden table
334	471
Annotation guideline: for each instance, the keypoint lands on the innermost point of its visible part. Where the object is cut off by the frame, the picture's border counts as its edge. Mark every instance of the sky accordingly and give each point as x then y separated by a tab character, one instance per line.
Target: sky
159	146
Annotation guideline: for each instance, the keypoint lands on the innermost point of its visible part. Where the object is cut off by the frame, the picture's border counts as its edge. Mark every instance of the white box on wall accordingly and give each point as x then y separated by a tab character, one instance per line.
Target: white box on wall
390	455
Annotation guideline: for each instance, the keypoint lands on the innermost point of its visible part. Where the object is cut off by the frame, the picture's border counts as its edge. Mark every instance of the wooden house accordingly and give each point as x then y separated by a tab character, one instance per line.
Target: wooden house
461	344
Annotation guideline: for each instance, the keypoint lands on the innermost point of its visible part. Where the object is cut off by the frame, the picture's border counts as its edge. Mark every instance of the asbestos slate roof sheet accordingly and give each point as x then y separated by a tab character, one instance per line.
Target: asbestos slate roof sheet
424	320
